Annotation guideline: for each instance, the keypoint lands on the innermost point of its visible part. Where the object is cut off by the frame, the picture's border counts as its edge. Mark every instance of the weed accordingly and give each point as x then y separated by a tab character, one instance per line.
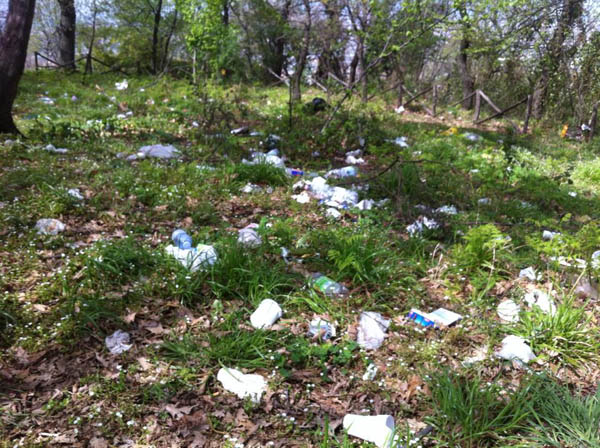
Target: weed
484	248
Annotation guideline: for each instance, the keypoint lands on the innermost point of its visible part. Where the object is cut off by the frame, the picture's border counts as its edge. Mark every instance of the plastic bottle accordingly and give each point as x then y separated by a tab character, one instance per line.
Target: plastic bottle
181	239
328	286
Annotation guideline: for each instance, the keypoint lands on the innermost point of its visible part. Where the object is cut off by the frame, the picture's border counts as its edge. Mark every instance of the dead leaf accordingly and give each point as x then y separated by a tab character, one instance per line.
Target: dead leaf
144	364
129	318
98	442
41	308
176	412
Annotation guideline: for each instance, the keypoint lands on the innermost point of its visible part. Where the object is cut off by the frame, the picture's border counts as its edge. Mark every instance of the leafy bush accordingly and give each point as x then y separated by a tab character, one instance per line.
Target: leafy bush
484	247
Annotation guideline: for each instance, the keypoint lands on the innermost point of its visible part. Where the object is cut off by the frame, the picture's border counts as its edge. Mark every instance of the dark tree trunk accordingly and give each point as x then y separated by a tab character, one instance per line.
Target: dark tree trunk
155	46
89	68
66	34
462	60
165	59
364	83
14	38
225	16
353	66
279	56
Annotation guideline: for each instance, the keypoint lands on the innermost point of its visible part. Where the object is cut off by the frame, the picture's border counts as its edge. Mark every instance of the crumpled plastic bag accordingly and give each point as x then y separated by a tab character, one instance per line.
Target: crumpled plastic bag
249	237
542	300
266	314
198	257
514	348
371	330
118	342
243	385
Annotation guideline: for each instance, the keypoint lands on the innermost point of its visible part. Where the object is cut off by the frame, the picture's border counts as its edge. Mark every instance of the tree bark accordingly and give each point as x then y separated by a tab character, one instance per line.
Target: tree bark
301	61
157	17
13	50
66	33
468	84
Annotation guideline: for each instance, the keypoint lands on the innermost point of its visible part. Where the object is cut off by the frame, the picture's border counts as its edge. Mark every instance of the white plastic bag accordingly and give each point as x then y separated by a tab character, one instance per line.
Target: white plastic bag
371	330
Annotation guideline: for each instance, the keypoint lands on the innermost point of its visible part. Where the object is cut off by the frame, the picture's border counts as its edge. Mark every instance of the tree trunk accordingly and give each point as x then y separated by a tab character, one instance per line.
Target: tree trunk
225	16
66	34
468	84
353	66
157	17
89	67
14	38
364	83
301	61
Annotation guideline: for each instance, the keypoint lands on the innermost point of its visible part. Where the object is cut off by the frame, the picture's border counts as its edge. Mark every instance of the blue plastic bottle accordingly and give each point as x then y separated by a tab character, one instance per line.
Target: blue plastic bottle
181	239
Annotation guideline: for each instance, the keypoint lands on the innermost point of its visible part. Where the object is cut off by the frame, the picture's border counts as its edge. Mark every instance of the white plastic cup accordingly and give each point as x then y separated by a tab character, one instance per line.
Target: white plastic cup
266	314
378	429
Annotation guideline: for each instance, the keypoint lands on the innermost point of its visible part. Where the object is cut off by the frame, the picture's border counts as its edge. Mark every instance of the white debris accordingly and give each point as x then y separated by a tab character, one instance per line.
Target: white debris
370	373
572	194
285	254
484	201
243	385
121	85
158	151
542	300
322	328
118	342
514	348
351	160
251	188
399	109
529	273
198	257
447	210
371	330
422	223
339	173
444	317
49	226
51	148
547	235
355	153
249	237
377	429
332	213
365	204
479	355
266	314
508	311
47	100
75	193
472	137
302	198
400	141
587	289
268	159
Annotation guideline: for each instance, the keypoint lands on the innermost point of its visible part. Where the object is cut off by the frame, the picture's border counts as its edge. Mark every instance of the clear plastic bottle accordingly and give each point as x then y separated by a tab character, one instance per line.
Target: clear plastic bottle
328	287
181	239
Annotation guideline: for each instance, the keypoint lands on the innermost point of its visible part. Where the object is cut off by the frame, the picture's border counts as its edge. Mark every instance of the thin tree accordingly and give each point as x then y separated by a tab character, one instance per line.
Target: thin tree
14	38
66	33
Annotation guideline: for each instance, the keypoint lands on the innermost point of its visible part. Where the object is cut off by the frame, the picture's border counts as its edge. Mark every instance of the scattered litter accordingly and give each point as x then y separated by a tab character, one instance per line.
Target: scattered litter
268	159
243	385
541	300
371	330
529	273
118	342
49	226
400	109
514	348
272	140
337	197
327	286
572	194
266	314
205	167
421	224
241	131
444	317
74	98
249	237
484	201
51	148
157	151
181	239
285	254
47	100
294	172
75	193
339	173
251	188
447	210
333	213
355	153
195	258
352	160
400	141
421	318
508	311
370	373
587	289
365	204
316	154
273	152
378	429
121	85
321	328
302	198
472	137
547	235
